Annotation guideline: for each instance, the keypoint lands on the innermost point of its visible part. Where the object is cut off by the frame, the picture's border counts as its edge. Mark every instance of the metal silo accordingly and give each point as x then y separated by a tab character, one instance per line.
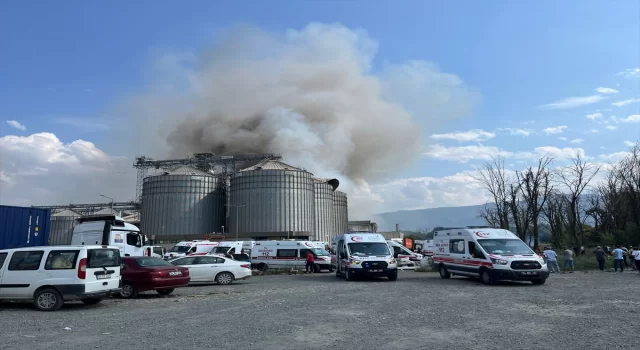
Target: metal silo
341	212
272	199
62	224
325	210
184	203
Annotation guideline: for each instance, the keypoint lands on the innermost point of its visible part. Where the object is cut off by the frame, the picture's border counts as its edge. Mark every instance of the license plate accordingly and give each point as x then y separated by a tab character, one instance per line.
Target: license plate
376	270
103	277
175	273
529	273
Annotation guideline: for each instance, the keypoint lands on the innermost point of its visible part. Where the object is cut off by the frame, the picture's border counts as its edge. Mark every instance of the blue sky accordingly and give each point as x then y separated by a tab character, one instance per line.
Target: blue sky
66	65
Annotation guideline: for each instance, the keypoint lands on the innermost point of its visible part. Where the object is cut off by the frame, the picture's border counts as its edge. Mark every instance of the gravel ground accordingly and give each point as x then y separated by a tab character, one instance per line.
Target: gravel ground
420	310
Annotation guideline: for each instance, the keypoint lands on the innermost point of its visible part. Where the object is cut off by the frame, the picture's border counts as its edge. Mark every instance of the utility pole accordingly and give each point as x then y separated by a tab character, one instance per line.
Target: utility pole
237	216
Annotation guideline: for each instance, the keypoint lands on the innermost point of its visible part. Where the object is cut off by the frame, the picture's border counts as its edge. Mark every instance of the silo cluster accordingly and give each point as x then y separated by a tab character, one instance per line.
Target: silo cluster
269	200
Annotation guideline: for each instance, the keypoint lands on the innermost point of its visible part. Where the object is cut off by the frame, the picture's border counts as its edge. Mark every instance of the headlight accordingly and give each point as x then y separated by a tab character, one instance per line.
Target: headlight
499	261
391	261
355	262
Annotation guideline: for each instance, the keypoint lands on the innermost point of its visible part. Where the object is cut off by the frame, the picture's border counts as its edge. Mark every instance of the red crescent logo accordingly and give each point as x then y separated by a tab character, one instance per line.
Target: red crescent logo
356	238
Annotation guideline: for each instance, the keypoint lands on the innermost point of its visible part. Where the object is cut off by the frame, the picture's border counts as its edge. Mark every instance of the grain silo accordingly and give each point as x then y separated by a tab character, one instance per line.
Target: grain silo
341	212
184	203
62	224
272	200
325	210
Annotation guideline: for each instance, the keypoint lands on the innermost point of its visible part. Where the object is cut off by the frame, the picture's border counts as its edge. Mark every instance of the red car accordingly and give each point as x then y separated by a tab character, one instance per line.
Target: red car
143	273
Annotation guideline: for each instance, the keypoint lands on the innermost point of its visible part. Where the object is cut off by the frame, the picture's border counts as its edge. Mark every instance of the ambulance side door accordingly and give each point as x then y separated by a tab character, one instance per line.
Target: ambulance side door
457	252
476	257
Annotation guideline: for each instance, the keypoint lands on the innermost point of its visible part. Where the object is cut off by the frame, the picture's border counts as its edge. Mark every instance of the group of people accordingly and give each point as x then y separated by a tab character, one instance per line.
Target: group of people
622	257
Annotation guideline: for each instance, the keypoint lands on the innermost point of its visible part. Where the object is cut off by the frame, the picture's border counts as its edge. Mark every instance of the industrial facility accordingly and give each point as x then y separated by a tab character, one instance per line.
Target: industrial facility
239	197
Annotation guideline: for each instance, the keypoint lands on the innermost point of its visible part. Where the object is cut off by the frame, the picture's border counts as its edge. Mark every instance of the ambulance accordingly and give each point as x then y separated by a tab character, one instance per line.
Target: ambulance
489	254
404	256
364	254
425	247
238	250
289	254
192	247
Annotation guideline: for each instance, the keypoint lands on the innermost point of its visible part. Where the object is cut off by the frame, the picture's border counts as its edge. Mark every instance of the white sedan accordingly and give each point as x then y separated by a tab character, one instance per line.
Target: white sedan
213	268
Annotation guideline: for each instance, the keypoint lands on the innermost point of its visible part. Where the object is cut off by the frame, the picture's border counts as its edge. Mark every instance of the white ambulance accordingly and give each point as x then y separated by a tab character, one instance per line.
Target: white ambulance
109	230
289	254
404	256
487	253
425	247
364	254
192	247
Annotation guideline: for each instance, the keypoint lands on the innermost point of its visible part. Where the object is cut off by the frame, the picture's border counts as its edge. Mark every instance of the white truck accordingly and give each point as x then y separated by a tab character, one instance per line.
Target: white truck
364	254
109	230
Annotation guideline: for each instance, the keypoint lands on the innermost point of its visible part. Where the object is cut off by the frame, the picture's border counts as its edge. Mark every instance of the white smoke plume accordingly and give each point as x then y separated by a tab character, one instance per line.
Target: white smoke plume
311	95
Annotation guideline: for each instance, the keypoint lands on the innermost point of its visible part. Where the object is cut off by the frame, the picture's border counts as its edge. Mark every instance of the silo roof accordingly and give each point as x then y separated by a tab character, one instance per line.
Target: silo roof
187	170
67	212
271	165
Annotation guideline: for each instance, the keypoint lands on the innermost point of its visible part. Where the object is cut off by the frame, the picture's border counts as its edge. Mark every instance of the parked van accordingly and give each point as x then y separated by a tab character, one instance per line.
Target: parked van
364	254
487	253
289	254
404	256
425	247
52	275
192	247
109	230
153	251
231	247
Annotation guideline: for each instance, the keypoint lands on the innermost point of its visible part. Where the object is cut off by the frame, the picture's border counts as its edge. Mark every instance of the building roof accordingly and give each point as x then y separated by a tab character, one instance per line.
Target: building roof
67	212
270	164
187	170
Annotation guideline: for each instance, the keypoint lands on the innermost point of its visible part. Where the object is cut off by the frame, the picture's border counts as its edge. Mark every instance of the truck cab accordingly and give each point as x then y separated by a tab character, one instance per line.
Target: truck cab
109	230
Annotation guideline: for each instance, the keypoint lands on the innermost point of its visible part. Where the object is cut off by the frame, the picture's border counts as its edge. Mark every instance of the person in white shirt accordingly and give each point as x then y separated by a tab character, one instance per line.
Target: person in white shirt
635	254
552	260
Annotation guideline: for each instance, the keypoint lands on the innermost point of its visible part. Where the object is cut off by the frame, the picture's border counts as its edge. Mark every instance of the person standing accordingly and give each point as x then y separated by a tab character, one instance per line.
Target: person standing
552	260
618	256
636	257
310	261
568	259
600	256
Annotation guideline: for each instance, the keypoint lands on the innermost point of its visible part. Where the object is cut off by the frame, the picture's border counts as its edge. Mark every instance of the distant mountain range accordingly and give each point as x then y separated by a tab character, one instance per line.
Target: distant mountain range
420	219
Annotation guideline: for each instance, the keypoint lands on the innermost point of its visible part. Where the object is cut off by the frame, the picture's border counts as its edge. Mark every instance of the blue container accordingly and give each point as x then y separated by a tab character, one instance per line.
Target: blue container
24	227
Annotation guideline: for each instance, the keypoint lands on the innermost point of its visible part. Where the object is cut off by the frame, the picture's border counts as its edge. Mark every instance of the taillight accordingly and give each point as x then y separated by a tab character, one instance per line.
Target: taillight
159	273
82	268
246	266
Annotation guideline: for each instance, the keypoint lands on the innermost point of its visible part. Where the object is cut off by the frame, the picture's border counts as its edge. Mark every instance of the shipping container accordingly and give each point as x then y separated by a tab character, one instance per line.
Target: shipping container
24	227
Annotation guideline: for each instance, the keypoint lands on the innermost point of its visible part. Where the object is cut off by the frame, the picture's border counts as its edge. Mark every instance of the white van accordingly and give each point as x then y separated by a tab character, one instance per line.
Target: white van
109	230
425	247
153	251
192	247
364	254
404	257
289	254
52	275
487	253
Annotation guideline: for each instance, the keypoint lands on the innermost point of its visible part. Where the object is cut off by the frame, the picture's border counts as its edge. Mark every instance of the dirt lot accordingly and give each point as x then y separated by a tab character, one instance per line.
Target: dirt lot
572	311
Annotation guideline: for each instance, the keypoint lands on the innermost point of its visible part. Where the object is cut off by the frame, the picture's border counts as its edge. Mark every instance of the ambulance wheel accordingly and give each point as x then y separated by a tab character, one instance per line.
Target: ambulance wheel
485	277
540	281
443	272
263	267
316	268
348	276
393	277
331	269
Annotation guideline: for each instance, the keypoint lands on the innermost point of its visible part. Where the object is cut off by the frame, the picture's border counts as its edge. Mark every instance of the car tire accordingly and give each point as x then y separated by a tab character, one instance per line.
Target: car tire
128	291
443	272
393	277
331	269
224	278
91	301
165	291
316	268
540	281
485	277
47	299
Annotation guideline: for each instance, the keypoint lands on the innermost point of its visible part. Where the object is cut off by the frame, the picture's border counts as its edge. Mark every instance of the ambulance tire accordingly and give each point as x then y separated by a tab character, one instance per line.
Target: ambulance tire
393	277
316	268
348	275
540	281
263	267
330	268
443	272
485	277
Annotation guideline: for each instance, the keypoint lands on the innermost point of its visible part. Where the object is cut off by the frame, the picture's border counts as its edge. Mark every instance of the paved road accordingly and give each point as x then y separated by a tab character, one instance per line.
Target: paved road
571	311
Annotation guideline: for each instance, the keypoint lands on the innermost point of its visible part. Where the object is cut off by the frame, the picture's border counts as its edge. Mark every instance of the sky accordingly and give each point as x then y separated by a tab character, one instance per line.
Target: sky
86	87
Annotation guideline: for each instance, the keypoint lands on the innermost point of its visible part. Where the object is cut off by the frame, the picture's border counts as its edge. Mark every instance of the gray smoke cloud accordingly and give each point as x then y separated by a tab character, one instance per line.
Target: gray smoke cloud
310	94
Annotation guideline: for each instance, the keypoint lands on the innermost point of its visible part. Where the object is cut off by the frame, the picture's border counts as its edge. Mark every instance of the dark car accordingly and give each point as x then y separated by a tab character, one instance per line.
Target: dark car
143	273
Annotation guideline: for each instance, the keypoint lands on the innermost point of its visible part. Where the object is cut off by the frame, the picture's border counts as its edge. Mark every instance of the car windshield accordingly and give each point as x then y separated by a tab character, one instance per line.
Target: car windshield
151	262
179	249
367	249
97	258
505	246
320	252
220	250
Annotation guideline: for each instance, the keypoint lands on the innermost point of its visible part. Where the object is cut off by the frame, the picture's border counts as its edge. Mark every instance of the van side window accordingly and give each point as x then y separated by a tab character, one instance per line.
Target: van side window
303	253
157	250
475	251
287	253
61	260
24	261
456	246
3	257
398	250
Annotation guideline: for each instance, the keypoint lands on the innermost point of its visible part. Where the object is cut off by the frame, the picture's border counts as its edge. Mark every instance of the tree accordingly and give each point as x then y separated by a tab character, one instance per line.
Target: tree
535	185
575	178
554	213
493	177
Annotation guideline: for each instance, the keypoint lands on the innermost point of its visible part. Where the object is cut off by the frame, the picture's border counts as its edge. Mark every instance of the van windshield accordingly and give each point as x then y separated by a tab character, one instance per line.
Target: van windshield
505	246
319	252
97	258
220	250
179	249
367	249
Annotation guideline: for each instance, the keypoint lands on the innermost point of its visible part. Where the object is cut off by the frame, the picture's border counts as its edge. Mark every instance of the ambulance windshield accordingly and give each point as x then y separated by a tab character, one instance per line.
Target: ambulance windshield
505	246
320	252
179	249
367	249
